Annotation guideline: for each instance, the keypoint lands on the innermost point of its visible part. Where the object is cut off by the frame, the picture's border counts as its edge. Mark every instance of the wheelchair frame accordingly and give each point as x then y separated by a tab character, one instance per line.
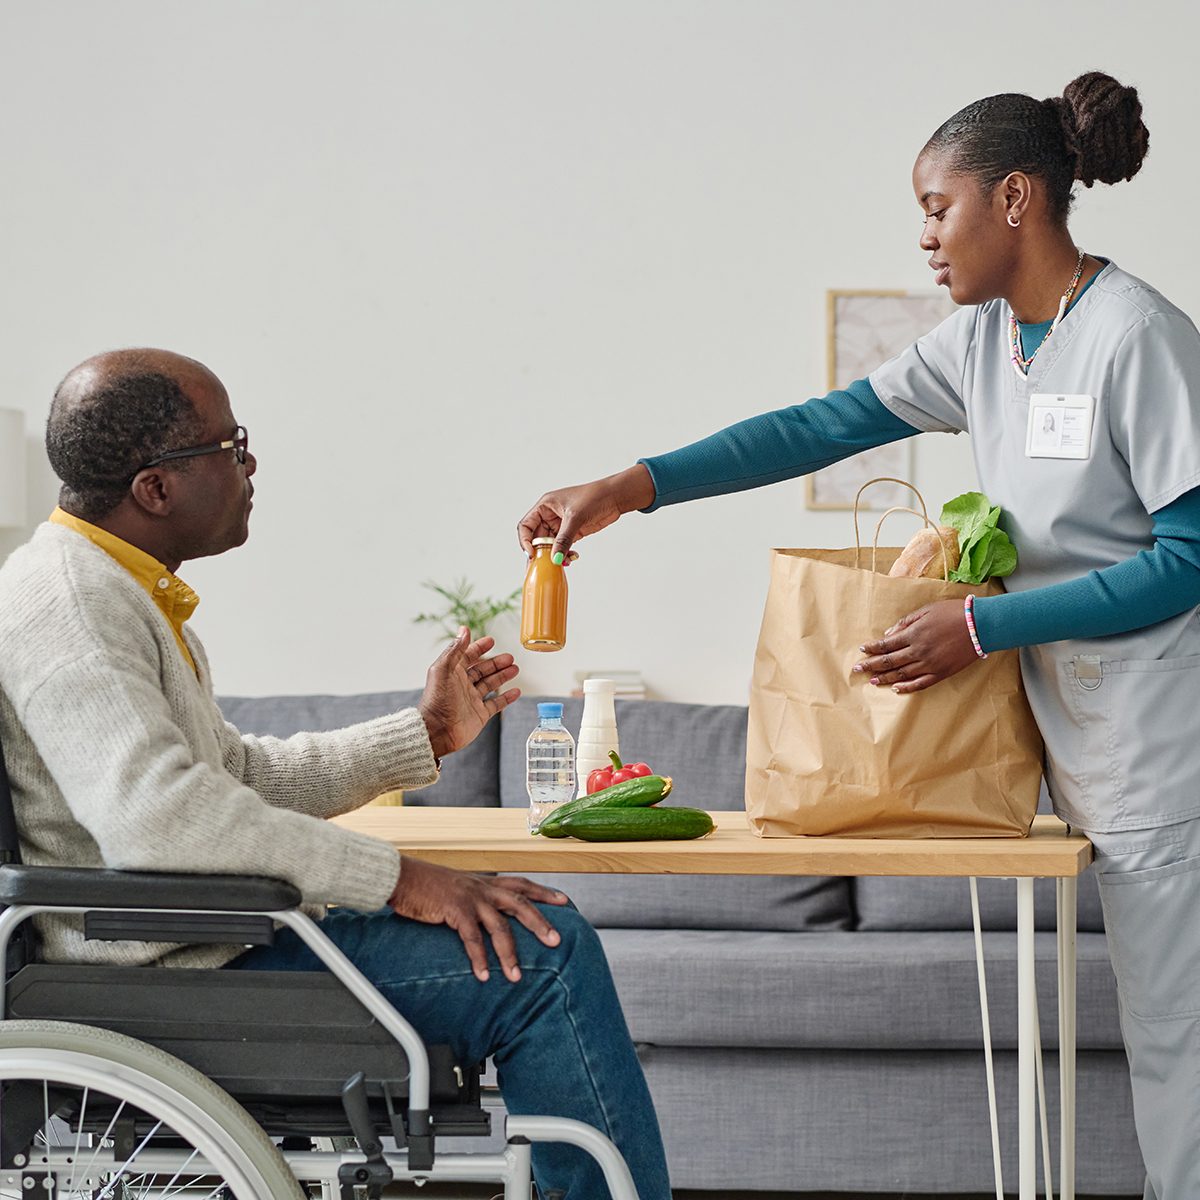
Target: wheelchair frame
170	907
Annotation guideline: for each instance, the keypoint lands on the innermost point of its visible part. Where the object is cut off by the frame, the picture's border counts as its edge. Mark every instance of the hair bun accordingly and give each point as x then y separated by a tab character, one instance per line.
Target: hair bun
1103	128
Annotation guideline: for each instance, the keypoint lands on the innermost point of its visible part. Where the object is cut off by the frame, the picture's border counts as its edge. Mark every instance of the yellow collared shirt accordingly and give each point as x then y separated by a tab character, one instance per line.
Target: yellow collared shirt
174	598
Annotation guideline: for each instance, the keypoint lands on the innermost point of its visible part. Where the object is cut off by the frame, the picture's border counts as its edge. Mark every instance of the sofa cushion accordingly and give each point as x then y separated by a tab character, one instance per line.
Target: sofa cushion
468	778
917	903
703	748
759	1124
905	903
787	903
849	991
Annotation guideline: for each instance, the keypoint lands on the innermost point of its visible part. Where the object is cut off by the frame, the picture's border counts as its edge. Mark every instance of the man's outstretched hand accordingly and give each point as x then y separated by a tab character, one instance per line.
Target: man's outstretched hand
462	692
472	905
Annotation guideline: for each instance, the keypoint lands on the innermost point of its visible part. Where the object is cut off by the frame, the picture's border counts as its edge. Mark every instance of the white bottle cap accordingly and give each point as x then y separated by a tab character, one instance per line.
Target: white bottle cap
599	686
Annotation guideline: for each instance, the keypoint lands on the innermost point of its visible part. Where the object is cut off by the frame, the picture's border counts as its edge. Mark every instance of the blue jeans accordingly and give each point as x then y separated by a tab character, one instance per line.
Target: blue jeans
558	1036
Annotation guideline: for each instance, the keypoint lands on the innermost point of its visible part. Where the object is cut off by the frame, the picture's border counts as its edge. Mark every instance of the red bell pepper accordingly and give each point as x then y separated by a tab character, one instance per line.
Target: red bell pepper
619	772
599	779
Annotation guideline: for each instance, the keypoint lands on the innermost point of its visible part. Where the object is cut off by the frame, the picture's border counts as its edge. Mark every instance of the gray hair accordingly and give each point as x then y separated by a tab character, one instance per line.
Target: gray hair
101	431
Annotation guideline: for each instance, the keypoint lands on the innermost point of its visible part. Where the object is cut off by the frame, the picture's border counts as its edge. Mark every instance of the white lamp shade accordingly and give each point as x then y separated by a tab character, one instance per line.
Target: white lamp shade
12	468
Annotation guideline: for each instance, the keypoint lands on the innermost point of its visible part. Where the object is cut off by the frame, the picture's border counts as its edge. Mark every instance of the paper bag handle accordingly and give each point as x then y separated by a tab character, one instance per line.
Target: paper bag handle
929	524
871	482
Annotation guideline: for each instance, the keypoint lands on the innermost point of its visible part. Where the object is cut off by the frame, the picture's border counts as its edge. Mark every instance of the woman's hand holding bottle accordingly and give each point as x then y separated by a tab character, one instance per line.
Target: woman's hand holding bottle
567	514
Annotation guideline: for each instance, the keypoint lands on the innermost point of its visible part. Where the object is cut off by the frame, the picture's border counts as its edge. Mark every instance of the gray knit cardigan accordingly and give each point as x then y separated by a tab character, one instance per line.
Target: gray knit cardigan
119	756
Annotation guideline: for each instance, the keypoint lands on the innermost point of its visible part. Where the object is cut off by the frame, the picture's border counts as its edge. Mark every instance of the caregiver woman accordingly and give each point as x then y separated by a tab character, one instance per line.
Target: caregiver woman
1104	509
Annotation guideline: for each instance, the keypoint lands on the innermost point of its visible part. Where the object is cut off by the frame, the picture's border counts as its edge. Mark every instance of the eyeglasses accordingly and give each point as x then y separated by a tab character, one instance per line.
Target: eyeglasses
238	444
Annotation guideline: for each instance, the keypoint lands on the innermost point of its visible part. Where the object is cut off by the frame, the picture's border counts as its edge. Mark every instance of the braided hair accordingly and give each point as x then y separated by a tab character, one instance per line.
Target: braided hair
97	441
1092	133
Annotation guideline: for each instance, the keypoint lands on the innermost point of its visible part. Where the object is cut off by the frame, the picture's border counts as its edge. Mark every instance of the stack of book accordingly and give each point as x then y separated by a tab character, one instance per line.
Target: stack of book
630	685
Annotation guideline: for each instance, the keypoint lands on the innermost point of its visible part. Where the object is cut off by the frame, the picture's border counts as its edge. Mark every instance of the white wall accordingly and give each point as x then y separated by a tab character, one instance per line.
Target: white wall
448	255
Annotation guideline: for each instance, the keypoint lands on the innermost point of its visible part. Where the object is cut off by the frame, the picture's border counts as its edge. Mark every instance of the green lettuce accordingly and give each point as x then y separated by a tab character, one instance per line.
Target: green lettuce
986	550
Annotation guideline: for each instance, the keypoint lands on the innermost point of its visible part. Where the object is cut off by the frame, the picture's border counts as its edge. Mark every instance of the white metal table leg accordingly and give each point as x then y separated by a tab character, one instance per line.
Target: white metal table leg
1066	912
1026	1038
985	1016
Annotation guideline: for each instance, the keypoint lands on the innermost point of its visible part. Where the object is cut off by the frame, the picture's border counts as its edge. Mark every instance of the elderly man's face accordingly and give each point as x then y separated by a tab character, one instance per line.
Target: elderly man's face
214	492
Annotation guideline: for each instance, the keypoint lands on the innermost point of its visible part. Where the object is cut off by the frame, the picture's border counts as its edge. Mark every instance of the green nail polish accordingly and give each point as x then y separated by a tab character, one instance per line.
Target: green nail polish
558	559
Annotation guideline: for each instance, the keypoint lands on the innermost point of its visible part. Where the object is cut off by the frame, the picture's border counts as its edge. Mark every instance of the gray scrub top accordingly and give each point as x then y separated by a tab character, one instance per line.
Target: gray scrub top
1120	715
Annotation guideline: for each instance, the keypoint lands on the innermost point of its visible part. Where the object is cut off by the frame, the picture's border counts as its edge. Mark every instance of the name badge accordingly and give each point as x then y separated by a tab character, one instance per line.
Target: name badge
1059	426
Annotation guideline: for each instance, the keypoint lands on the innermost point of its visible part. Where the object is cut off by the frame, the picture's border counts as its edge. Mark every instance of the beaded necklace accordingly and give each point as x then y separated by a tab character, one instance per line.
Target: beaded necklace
1020	364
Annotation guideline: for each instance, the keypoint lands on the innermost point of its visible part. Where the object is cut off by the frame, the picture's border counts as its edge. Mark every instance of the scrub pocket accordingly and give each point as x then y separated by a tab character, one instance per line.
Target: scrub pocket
1140	726
1154	939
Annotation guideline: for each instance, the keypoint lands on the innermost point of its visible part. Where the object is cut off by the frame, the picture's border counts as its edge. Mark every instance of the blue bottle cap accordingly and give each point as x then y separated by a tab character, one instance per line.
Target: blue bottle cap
550	710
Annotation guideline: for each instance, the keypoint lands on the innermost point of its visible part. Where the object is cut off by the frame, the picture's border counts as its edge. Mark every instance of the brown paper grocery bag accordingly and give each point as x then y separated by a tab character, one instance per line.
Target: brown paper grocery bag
827	753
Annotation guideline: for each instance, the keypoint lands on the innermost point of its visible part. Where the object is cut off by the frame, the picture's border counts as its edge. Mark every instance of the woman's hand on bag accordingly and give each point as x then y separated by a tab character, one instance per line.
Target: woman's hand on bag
574	512
921	649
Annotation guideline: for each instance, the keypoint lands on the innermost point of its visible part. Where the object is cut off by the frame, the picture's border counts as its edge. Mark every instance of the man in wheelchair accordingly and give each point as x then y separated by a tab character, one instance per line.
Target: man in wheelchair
120	761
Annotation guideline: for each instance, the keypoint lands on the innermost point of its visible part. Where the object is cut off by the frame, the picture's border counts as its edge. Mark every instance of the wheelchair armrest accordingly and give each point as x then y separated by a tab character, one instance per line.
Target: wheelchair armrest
83	887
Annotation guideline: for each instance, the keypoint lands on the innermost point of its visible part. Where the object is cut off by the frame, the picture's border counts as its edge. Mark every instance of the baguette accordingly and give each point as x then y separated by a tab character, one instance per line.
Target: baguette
922	557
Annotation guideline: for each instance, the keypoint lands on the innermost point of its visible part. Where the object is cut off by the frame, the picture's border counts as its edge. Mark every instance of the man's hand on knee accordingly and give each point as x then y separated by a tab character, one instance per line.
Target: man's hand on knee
473	905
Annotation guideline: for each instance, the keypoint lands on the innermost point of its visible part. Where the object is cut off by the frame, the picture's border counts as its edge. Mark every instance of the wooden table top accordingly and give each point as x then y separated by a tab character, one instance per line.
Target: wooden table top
496	839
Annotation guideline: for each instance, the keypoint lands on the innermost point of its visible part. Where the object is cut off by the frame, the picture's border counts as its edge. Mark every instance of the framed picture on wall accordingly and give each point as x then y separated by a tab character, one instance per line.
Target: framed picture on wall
865	328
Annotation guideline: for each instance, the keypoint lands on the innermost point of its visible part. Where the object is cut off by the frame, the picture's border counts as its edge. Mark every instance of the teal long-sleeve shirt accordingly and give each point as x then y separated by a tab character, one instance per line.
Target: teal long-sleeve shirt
1155	584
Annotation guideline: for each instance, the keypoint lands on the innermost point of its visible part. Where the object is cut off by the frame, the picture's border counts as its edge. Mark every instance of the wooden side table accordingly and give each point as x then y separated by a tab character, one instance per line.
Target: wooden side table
496	839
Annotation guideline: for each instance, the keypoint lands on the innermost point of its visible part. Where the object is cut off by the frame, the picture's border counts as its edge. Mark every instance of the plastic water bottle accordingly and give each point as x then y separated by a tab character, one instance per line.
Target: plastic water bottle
549	764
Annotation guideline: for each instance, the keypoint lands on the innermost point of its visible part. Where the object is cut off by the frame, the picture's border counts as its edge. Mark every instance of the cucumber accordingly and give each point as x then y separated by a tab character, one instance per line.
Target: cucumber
637	824
633	793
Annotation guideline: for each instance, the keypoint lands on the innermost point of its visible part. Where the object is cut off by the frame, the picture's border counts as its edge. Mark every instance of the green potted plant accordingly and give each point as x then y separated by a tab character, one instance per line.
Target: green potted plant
460	606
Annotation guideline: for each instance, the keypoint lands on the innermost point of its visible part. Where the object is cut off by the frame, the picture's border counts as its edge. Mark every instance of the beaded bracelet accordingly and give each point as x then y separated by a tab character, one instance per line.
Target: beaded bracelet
969	613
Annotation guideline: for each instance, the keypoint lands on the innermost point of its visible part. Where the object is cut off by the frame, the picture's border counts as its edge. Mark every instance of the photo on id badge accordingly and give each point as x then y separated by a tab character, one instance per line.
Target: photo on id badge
1059	426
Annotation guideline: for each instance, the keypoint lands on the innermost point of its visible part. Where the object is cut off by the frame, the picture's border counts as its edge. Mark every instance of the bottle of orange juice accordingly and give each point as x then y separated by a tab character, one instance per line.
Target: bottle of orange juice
544	600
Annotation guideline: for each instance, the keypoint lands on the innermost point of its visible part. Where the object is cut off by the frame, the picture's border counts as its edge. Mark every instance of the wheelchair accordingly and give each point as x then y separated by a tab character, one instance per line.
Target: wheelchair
123	1083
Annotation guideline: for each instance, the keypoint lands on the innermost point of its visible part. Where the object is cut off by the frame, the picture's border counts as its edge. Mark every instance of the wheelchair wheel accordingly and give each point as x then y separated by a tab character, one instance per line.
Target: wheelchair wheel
87	1114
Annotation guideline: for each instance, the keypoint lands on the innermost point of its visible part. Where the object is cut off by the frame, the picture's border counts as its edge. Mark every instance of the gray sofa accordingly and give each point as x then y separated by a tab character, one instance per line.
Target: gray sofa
804	1034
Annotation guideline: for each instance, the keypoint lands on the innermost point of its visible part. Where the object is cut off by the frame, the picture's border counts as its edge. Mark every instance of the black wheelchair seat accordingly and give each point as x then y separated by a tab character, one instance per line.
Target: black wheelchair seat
283	1043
